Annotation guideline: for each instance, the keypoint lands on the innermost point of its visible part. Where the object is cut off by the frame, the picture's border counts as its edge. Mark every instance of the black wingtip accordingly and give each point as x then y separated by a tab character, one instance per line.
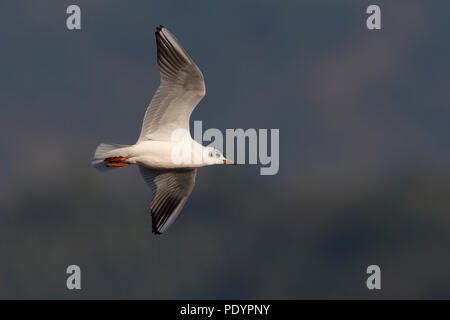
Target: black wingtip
159	28
155	231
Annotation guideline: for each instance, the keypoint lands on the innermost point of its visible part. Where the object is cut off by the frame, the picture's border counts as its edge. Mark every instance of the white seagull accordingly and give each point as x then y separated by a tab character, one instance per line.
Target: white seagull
165	135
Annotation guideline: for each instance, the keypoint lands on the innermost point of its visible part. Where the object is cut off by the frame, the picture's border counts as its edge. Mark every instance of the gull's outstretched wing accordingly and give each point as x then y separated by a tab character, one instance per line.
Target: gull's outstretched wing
171	189
181	89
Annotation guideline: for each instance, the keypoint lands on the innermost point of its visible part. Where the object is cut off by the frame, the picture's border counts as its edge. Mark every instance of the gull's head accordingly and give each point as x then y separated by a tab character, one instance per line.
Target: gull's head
213	156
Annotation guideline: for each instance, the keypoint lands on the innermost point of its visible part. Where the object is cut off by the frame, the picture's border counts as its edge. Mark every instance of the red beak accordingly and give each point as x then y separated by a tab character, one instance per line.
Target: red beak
226	161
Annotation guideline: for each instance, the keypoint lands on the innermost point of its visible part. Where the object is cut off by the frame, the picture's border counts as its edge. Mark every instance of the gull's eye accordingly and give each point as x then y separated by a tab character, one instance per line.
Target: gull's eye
217	155
210	154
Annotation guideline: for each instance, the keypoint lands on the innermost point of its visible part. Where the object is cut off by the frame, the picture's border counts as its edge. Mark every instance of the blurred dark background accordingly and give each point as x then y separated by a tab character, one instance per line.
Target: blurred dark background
364	150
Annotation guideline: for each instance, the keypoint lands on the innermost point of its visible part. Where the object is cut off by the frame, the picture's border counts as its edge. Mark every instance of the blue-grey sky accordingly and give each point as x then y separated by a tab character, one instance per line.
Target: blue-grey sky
364	150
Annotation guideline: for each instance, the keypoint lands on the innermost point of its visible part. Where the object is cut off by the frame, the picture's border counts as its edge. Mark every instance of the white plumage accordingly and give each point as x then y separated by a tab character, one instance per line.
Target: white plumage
165	131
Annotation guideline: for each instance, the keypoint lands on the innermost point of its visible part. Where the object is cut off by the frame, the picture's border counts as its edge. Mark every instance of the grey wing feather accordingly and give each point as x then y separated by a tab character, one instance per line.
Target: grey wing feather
170	191
181	89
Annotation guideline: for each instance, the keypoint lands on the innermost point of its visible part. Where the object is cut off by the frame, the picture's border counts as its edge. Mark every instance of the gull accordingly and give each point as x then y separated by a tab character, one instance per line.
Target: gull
165	152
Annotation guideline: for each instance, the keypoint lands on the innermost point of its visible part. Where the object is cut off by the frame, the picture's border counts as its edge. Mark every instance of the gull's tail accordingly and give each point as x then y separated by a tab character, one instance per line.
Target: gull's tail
108	156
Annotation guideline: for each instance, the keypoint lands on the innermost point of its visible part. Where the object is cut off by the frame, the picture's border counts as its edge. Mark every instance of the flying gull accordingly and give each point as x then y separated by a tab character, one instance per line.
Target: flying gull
165	152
